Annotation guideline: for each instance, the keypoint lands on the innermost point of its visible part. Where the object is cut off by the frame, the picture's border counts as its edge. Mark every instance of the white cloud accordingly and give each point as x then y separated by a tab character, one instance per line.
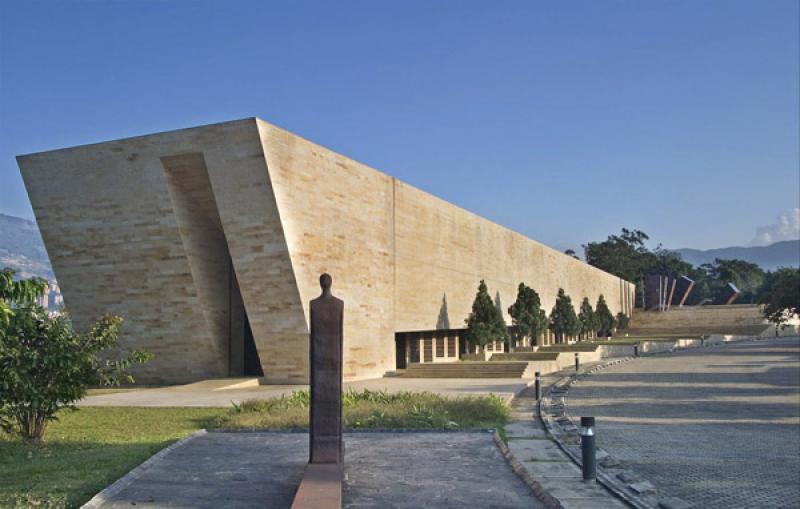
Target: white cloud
787	227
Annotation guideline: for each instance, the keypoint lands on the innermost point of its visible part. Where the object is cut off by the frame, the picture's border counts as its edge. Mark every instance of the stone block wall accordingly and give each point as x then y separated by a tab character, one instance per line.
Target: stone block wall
160	228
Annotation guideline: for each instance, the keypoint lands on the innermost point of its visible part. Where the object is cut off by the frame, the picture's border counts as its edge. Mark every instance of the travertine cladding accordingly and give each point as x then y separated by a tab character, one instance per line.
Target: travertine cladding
119	220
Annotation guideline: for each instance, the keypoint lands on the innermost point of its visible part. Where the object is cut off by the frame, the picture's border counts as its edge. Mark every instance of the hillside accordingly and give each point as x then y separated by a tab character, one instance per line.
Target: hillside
22	249
779	254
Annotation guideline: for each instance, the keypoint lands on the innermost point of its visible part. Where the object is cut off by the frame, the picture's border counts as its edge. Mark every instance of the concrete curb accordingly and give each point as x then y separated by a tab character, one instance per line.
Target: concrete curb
123	482
549	501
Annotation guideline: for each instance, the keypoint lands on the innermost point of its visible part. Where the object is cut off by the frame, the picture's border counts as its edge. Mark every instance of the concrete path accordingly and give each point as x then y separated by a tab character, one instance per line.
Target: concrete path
716	427
546	462
382	470
214	394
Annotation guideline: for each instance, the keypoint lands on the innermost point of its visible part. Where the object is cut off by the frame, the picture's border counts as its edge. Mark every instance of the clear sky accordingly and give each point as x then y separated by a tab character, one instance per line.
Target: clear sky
564	121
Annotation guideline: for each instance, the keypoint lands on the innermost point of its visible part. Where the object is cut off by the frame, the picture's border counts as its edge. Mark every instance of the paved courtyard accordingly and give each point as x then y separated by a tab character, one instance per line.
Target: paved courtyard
383	470
718	427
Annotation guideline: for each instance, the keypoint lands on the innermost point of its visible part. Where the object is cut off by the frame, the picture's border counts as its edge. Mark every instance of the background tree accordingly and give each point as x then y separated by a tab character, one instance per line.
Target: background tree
623	255
780	295
605	320
527	315
563	320
586	318
622	321
747	277
572	253
485	323
46	366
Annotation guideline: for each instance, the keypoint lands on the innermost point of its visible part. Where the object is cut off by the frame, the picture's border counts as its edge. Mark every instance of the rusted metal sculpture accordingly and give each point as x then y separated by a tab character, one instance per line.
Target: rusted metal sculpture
321	487
325	362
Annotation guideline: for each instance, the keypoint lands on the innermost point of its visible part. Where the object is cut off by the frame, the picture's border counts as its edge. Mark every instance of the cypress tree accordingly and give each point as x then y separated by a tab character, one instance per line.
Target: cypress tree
485	323
587	318
605	320
527	315
563	320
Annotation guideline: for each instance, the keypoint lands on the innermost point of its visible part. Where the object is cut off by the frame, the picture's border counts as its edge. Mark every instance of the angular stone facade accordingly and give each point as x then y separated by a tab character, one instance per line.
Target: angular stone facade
191	234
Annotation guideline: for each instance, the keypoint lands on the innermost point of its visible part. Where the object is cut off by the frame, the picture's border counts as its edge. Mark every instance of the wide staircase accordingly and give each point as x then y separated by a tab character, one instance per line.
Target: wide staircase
467	369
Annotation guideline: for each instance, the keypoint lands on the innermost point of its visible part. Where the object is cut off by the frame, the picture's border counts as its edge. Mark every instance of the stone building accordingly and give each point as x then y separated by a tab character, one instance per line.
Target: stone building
209	242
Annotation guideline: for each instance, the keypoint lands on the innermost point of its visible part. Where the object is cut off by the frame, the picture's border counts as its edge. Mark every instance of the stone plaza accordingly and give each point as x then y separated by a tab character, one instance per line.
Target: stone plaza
717	427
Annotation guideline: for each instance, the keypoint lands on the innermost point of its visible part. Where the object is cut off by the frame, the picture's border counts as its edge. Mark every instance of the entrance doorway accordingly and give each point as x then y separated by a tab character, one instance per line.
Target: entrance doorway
252	364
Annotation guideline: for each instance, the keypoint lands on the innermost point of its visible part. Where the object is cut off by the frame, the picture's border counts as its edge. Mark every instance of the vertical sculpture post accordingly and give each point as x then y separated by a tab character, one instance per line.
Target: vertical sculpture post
325	363
321	487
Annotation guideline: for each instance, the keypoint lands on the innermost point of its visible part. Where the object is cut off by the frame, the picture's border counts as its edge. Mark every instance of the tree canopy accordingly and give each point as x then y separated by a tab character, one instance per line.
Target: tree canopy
527	315
17	293
485	323
563	320
780	295
604	318
587	317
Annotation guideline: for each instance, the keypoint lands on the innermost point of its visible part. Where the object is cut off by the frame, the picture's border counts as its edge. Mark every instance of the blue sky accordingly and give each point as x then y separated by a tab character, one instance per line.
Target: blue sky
562	120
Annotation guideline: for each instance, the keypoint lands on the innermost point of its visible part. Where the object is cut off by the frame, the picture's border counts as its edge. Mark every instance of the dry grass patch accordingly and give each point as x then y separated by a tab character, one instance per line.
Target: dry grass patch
373	409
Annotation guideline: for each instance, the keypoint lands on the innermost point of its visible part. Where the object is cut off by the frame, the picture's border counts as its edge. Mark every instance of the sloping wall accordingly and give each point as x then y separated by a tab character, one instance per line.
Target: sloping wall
139	226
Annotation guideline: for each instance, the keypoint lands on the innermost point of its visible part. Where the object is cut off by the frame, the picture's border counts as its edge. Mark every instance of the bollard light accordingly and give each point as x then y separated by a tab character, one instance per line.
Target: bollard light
636	350
538	385
577	362
588	456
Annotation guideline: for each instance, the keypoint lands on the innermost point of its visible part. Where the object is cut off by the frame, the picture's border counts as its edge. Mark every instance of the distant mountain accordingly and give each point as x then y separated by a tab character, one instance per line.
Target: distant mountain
22	249
780	254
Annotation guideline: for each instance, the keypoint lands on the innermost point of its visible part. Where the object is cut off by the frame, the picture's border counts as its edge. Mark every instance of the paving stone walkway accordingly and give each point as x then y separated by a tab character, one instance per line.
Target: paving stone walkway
383	470
717	427
546	462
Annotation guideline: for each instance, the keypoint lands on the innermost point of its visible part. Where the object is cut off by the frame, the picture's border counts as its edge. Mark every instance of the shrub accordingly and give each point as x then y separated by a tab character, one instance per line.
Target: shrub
527	315
45	366
622	321
563	320
485	323
587	318
605	320
781	295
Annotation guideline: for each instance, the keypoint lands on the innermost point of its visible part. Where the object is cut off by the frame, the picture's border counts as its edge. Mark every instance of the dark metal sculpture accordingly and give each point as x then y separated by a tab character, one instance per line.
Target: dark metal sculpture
727	295
682	290
325	362
321	487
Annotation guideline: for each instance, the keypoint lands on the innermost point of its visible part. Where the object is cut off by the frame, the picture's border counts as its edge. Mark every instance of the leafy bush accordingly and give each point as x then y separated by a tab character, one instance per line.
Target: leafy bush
485	323
781	295
587	318
527	315
605	320
45	366
563	320
622	321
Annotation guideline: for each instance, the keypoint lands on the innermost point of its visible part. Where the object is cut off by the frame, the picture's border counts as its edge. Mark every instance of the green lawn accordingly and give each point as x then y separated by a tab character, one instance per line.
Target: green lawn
88	449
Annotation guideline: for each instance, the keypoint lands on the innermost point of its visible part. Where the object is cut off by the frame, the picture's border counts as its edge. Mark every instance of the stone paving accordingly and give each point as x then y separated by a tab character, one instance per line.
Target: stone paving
547	463
717	427
382	470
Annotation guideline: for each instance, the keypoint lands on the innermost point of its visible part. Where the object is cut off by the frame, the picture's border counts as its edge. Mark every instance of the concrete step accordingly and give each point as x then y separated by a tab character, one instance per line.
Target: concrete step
487	369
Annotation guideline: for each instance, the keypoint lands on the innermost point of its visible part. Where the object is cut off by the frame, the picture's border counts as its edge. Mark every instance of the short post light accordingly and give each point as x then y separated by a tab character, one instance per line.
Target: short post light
577	362
636	350
538	385
588	456
703	340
